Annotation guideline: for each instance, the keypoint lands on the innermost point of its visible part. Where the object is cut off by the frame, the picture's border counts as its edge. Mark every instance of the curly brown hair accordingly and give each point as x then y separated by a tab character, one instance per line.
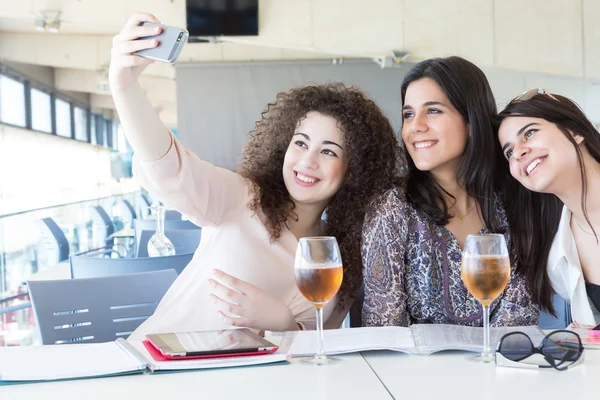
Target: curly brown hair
372	152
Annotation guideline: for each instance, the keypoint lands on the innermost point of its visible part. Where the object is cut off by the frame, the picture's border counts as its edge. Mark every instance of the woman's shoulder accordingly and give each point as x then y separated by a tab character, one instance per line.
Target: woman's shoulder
389	204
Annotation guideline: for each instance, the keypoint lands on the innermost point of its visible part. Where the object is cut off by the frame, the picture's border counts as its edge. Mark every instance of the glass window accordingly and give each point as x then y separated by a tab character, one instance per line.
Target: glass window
81	116
41	112
63	118
12	101
93	136
100	130
109	134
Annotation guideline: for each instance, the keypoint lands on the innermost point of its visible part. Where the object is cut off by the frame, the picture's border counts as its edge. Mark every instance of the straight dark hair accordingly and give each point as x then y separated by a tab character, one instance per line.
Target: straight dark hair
534	217
467	88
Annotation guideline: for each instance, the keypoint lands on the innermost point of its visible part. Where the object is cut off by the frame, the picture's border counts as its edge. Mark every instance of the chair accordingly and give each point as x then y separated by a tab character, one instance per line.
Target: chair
54	241
356	309
96	310
172	215
102	219
142	203
563	318
184	241
131	214
90	267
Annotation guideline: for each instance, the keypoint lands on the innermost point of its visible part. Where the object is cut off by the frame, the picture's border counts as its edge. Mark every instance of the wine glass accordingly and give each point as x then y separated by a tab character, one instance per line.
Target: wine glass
159	245
319	274
485	271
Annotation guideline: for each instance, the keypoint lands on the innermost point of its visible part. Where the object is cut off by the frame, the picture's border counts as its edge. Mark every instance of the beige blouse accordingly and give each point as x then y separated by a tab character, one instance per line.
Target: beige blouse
234	239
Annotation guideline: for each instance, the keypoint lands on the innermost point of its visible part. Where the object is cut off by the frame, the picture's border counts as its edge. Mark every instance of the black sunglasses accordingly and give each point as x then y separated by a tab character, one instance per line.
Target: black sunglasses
560	349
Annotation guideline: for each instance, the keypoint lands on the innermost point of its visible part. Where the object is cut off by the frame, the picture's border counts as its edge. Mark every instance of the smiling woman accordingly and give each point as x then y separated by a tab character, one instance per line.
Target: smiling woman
314	148
554	153
412	239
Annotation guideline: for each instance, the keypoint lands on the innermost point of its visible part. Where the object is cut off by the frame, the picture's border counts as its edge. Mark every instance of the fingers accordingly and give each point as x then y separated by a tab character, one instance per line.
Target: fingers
140	17
226	306
226	293
127	48
233	282
136	32
239	322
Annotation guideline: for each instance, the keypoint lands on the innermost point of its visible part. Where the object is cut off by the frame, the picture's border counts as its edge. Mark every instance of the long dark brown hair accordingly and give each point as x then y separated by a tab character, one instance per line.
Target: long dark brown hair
467	88
371	148
534	217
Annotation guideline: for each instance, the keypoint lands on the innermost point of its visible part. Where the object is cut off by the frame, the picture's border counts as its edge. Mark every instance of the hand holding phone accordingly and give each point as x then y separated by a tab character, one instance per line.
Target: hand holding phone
170	42
124	66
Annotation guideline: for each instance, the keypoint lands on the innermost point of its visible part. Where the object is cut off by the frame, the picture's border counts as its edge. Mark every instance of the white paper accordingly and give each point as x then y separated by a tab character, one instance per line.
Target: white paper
417	339
339	341
431	338
66	361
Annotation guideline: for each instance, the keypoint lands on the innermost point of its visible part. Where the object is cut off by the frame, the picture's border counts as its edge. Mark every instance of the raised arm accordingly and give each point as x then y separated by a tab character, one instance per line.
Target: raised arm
383	250
179	179
146	133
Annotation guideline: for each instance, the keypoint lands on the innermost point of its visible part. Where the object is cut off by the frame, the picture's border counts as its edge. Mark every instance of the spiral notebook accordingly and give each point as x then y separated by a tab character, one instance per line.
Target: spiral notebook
421	339
30	364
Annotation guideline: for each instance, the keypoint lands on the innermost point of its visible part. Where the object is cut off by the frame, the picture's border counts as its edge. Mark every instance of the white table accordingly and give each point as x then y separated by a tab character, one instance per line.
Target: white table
351	379
449	375
370	375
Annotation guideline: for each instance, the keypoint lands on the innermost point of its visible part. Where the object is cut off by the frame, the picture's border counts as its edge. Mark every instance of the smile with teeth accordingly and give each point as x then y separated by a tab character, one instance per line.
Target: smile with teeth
305	179
532	165
424	144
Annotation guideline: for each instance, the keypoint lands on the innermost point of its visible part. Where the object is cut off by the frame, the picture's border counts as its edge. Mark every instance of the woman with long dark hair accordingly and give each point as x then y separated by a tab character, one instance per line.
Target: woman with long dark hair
412	238
554	211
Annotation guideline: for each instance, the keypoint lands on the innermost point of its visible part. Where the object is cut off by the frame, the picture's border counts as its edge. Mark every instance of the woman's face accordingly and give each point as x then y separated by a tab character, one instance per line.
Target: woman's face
315	161
541	158
434	132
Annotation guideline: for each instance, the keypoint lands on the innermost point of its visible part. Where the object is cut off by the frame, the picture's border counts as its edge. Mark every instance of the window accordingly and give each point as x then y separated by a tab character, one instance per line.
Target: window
41	111
12	101
81	117
63	118
100	130
109	134
93	136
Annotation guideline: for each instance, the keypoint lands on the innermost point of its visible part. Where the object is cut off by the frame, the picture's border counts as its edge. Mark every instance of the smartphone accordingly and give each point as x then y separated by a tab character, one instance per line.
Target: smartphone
170	43
223	343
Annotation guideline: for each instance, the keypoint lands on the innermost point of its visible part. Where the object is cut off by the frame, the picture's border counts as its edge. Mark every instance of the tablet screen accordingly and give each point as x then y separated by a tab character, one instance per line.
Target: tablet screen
209	342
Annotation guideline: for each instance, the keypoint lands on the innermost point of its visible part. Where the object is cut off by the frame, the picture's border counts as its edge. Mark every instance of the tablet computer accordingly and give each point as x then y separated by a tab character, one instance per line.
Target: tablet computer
204	344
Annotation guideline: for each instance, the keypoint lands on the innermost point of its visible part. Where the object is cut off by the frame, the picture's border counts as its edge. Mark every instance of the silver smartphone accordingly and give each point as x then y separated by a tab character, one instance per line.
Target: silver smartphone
170	43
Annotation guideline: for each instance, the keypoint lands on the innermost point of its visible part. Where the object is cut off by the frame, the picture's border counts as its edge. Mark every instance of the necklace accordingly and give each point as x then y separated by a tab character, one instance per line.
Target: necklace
583	230
467	213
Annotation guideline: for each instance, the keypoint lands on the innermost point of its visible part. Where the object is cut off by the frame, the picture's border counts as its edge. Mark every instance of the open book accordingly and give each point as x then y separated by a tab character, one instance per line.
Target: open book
93	360
416	339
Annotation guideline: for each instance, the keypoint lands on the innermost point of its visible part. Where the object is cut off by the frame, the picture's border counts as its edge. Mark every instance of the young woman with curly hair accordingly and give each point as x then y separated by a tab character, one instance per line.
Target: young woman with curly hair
316	148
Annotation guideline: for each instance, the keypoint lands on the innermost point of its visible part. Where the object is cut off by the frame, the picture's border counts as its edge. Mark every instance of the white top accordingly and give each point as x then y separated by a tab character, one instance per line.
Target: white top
566	275
234	239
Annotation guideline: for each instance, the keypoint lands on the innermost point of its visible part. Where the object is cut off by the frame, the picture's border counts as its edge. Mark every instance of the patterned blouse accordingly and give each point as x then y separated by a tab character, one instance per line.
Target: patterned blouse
412	273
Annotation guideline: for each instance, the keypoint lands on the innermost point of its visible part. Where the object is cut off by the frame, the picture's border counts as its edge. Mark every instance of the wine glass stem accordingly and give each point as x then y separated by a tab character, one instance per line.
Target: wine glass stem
486	331
160	221
320	353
